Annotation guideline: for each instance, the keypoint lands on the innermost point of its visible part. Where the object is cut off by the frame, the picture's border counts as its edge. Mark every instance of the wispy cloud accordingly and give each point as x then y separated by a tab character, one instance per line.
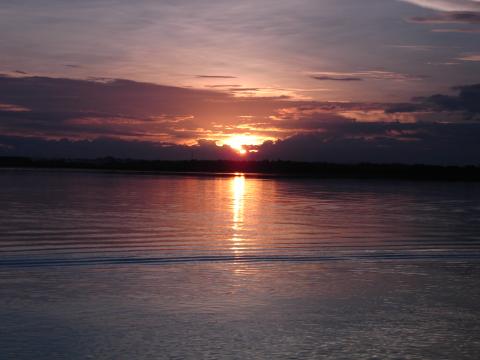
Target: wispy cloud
448	18
219	86
215	77
413	47
470	57
461	31
12	108
364	75
336	78
447	5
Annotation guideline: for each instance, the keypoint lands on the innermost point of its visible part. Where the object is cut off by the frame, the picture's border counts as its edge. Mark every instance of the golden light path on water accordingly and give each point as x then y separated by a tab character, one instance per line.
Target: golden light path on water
238	199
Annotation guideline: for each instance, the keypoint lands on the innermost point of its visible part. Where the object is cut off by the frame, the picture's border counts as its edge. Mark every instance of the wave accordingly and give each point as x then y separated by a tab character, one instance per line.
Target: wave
379	257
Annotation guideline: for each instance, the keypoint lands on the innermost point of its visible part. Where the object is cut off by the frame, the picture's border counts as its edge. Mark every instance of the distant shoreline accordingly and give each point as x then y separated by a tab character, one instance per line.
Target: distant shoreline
288	169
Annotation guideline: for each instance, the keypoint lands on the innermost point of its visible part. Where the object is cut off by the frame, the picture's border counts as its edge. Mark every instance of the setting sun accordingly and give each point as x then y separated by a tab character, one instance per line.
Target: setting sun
239	142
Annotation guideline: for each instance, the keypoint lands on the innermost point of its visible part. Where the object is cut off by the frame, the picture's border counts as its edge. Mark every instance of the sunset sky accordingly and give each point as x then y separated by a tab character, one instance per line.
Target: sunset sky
315	80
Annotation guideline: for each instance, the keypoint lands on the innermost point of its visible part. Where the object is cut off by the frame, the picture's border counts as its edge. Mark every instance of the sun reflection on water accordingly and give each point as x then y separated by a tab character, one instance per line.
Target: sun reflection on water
238	199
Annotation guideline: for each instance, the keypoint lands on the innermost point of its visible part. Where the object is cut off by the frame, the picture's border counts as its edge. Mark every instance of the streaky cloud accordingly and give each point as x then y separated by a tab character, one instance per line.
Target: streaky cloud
470	57
336	78
448	18
461	31
365	75
216	77
447	5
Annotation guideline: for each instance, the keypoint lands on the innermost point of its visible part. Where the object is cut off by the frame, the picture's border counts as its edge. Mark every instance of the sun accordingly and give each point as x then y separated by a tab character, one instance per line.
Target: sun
238	142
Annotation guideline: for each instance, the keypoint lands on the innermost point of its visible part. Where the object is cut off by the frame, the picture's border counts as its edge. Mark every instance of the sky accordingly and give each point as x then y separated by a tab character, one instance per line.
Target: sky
311	80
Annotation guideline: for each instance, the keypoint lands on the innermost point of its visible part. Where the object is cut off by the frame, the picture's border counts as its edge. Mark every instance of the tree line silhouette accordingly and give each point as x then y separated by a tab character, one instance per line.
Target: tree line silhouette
261	168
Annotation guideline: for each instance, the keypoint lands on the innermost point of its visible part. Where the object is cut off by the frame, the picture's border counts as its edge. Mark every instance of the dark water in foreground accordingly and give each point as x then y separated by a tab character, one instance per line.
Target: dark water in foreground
118	266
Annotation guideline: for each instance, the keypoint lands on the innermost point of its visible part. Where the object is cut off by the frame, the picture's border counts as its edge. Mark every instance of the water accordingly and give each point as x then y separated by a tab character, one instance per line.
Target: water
138	266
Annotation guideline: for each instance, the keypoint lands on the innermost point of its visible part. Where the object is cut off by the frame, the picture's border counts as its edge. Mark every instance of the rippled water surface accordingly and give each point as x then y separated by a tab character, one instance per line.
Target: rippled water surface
138	266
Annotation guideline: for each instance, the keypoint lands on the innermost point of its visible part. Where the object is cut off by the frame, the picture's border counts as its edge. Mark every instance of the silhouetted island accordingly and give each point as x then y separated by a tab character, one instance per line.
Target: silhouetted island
261	168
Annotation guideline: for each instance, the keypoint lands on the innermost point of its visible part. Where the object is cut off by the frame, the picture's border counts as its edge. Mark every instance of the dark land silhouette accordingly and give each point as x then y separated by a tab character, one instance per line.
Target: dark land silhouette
261	168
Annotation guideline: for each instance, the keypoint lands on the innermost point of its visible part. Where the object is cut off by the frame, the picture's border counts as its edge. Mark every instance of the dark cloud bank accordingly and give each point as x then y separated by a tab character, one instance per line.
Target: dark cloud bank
63	118
454	17
433	144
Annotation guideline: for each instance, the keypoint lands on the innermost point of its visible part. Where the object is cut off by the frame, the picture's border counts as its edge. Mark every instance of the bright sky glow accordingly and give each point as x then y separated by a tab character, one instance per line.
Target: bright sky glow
239	142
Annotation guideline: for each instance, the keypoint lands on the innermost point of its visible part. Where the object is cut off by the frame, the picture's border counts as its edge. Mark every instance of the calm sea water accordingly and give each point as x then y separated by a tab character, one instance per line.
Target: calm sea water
130	266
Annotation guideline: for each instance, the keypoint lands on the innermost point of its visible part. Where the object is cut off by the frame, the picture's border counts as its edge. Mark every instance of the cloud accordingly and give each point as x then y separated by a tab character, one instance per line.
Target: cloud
336	78
467	102
86	109
12	108
347	142
447	5
216	77
382	143
466	12
448	18
471	57
414	47
57	117
218	86
236	89
461	31
106	146
364	75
